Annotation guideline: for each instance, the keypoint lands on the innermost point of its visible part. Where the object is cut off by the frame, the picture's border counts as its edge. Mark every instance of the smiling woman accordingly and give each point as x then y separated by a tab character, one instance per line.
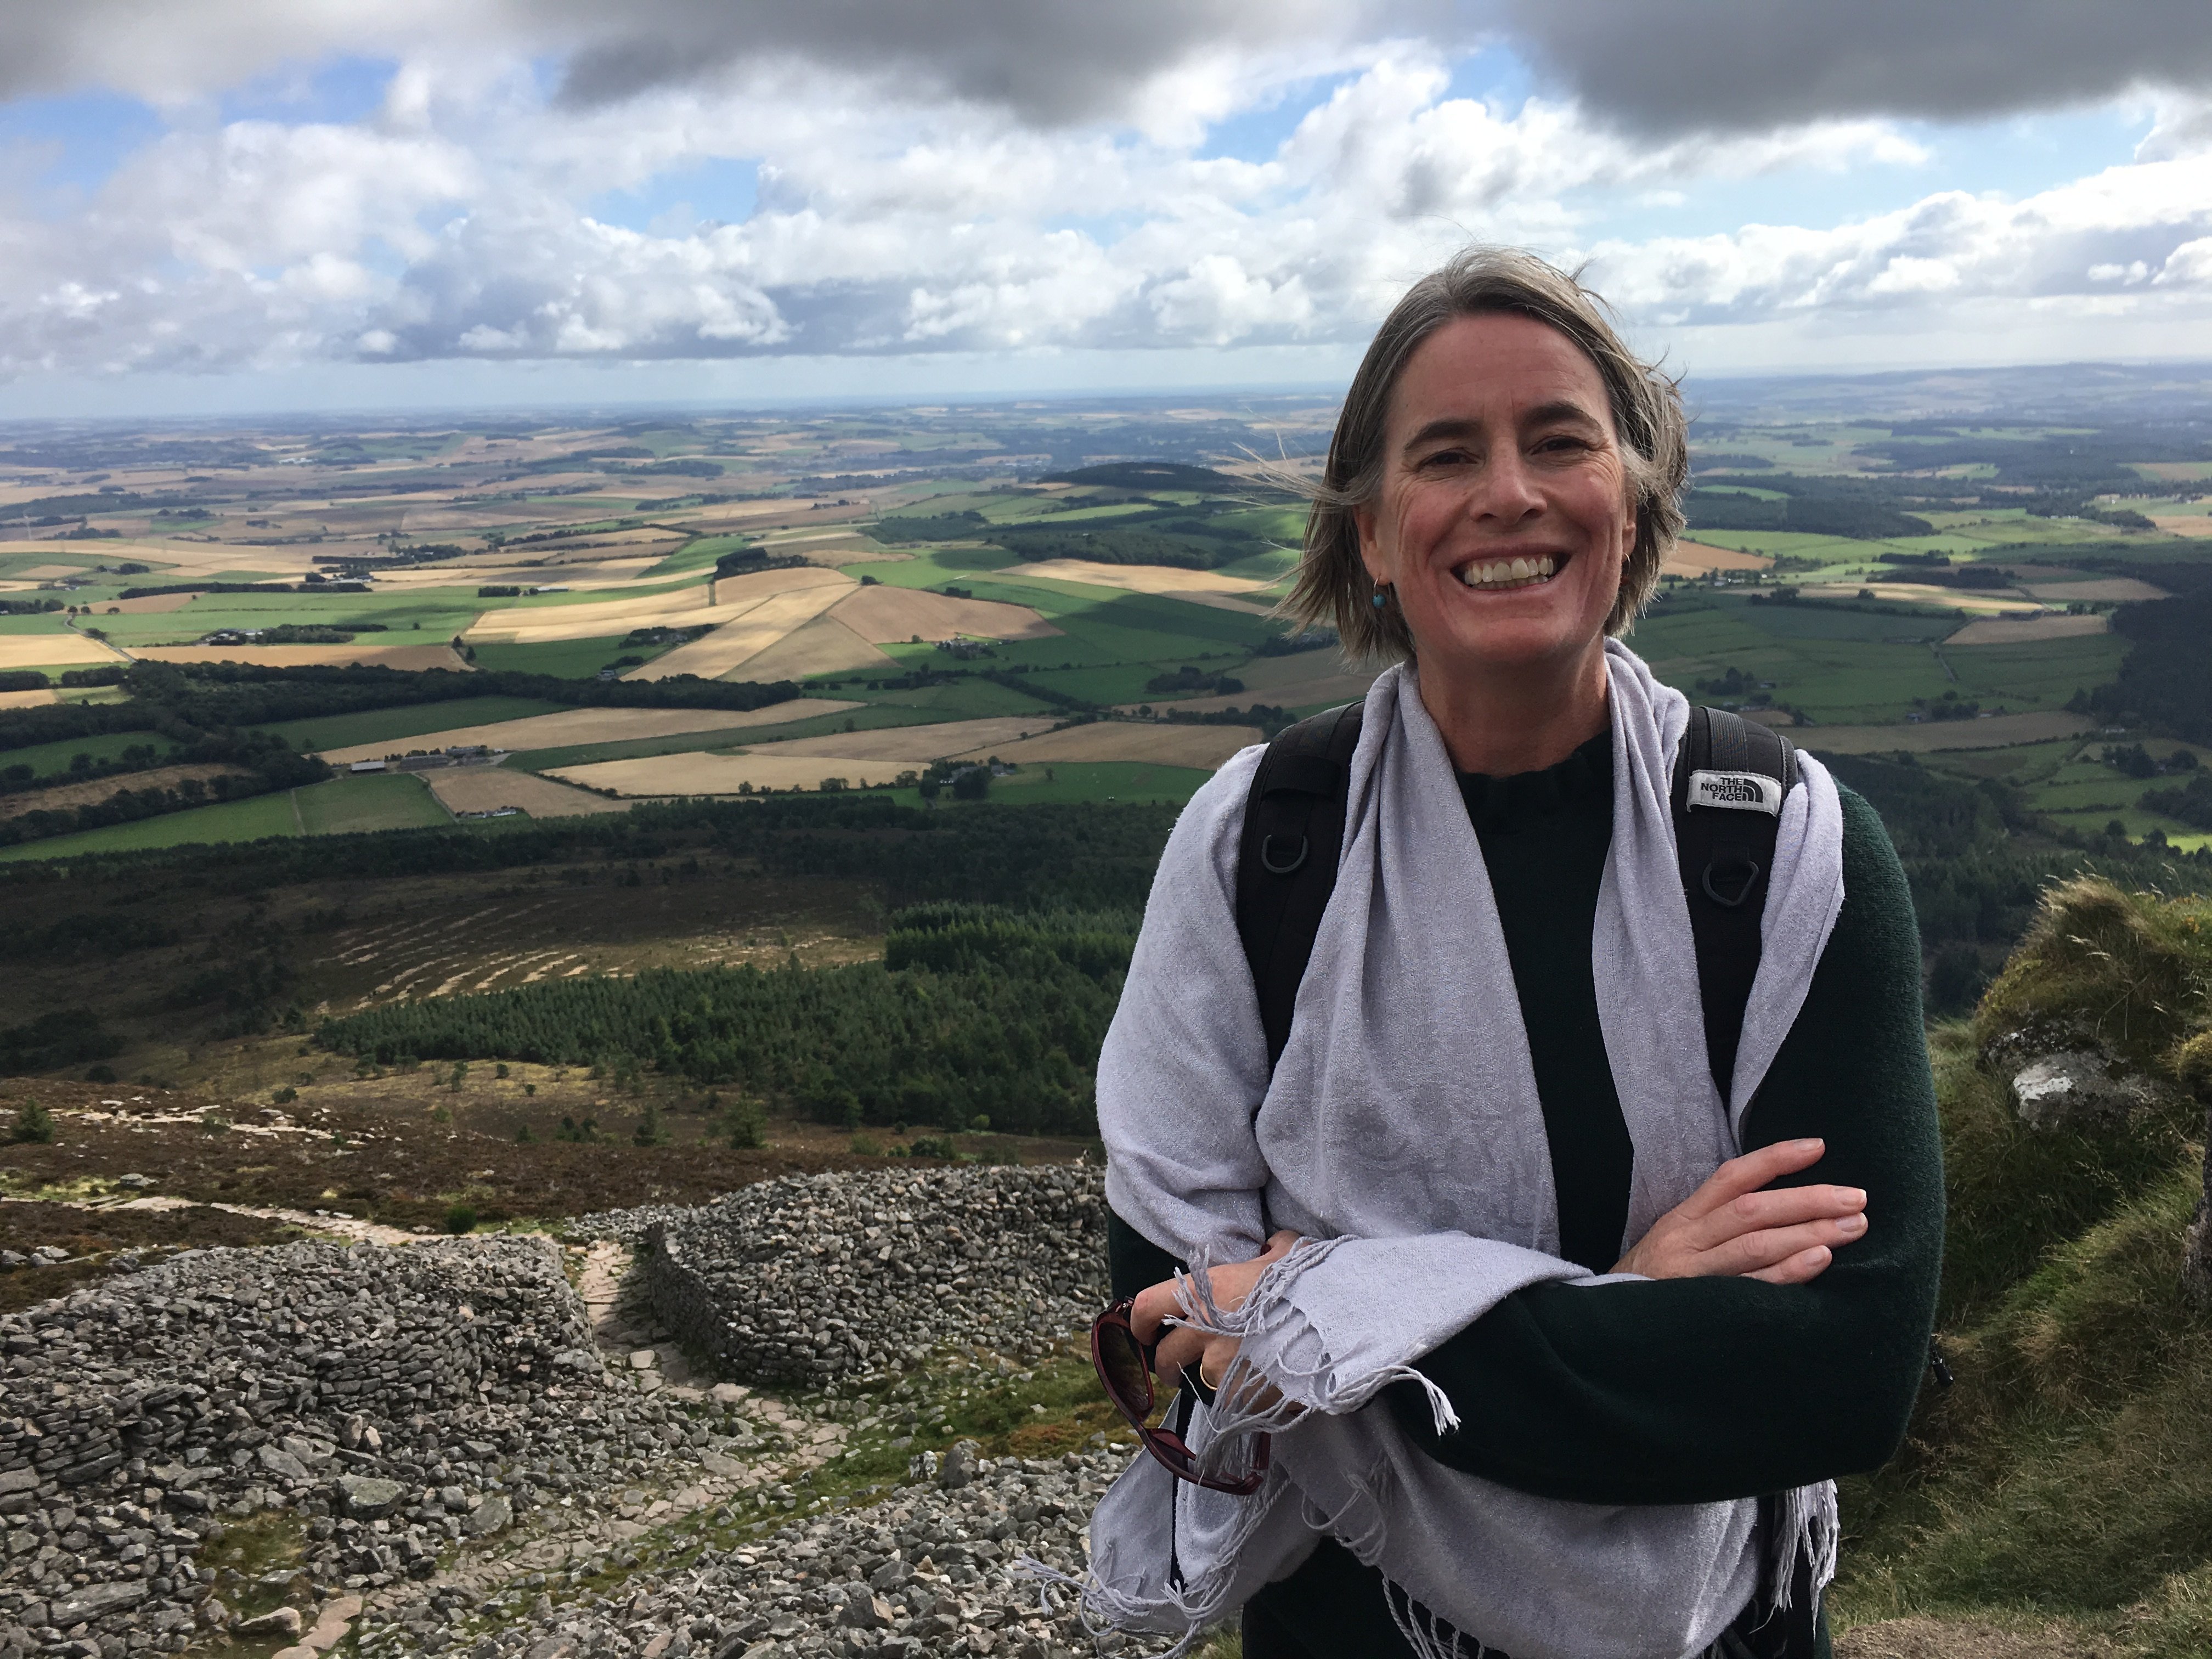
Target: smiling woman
1543	1271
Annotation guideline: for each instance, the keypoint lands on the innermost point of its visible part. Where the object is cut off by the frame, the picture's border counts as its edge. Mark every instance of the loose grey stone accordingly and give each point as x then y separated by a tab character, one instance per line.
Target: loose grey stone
489	1516
368	1499
96	1602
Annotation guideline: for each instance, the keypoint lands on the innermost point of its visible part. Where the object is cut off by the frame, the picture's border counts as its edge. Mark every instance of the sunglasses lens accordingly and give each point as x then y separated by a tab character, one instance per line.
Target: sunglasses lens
1122	1366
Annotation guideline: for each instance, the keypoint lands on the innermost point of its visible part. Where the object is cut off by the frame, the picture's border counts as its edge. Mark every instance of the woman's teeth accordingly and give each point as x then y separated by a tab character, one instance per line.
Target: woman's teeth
1508	573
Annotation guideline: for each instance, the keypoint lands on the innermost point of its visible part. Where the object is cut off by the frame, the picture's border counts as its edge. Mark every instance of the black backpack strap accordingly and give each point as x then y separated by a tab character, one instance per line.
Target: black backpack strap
1730	777
1286	860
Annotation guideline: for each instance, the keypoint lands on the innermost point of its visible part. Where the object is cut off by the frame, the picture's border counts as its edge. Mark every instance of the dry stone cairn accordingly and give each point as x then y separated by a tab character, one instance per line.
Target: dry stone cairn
394	1399
813	1278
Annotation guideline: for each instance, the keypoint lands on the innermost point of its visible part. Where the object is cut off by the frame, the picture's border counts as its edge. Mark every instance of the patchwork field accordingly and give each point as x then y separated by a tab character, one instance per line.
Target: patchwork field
405	658
1137	578
583	725
698	773
49	646
489	788
912	743
1997	732
1994	630
761	624
1204	746
1692	558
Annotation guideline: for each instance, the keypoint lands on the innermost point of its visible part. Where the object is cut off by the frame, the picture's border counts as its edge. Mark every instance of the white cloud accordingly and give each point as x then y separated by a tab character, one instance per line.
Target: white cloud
465	216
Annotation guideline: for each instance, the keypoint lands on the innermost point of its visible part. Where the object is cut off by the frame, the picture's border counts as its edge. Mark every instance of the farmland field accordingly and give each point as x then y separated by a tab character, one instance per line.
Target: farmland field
1835	608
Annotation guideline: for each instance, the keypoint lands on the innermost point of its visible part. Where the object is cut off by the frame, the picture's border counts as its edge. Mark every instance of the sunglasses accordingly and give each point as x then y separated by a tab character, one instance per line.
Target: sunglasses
1125	1370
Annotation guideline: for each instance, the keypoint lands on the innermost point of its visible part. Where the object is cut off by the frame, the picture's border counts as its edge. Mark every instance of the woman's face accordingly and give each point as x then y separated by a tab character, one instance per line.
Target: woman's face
1503	520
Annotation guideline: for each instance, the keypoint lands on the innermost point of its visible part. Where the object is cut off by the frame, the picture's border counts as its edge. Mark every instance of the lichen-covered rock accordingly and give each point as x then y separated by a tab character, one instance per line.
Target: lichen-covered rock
2081	1087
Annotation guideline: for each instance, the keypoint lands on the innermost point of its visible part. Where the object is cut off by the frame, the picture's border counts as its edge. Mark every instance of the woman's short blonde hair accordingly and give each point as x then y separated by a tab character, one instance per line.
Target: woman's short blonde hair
1332	586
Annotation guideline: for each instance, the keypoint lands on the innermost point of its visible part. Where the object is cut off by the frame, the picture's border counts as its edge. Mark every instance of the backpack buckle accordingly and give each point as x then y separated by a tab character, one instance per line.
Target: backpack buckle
1267	860
1742	861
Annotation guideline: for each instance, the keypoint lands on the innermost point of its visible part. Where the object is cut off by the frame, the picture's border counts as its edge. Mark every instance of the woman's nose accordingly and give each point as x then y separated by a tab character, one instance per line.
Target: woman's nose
1505	491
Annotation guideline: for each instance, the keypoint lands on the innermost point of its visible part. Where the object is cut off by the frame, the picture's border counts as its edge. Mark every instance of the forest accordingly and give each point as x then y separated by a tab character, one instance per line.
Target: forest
977	1018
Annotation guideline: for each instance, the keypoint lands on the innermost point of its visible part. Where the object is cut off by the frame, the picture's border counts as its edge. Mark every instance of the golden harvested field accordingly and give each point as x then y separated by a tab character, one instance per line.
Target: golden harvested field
45	650
47	572
580	726
914	743
1117	740
671	607
887	614
1995	630
1997	732
296	656
760	626
2183	525
1135	578
824	646
487	789
68	797
1948	599
2114	590
701	774
1695	558
27	699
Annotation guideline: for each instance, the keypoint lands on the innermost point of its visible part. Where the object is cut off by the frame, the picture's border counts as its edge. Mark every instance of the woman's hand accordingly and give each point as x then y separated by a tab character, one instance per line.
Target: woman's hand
1729	1228
1183	1346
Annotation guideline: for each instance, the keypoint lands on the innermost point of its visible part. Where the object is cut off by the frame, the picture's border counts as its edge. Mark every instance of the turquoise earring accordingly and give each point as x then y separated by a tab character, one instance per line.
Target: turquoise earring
1382	595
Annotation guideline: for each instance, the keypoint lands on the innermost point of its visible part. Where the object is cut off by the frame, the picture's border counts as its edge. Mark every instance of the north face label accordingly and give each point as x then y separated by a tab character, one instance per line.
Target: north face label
1742	792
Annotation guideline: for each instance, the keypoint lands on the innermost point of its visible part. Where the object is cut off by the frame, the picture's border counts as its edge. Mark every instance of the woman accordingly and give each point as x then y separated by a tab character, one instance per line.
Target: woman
1559	1343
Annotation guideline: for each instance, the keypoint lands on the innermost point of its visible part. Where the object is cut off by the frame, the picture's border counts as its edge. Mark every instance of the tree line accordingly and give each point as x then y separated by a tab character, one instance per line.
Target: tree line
974	1012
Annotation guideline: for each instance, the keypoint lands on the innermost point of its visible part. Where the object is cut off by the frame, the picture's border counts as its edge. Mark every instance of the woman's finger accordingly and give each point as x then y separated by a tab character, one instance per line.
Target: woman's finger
1153	1307
1748	1173
1783	1207
1798	1269
1181	1347
1756	1252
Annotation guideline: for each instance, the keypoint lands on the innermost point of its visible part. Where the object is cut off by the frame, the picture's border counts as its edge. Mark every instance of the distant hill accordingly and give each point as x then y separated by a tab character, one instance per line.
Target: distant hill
1148	475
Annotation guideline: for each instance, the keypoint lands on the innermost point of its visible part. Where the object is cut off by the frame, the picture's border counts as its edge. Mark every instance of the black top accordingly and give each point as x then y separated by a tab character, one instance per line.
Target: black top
1544	837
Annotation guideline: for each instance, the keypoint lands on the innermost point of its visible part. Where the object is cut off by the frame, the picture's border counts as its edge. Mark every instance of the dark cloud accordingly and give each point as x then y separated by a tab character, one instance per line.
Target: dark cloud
1749	65
1049	61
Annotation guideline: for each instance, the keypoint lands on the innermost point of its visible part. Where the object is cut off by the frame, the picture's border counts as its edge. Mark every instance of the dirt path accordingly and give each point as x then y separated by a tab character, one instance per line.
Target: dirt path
581	1527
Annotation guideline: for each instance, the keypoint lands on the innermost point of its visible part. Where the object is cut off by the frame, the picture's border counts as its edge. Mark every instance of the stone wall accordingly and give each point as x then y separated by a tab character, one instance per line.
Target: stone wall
393	1398
812	1277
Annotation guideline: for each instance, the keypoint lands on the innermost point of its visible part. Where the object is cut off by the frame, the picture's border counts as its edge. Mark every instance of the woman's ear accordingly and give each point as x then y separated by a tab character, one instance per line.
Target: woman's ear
1365	521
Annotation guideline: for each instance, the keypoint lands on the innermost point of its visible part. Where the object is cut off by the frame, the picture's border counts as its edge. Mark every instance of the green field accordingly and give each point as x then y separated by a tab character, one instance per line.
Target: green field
347	806
566	659
411	721
52	760
253	819
342	806
1859	667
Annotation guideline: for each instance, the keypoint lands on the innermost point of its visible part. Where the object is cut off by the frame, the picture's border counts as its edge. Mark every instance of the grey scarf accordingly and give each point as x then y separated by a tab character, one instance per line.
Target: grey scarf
1401	1134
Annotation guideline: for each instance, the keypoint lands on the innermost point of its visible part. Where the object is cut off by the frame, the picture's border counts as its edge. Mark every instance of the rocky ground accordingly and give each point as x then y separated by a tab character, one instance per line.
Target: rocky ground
499	1447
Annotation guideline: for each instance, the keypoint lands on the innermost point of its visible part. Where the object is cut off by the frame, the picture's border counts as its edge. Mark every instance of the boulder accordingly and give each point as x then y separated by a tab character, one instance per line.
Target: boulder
489	1516
959	1467
368	1499
2080	1087
279	1621
96	1602
278	1462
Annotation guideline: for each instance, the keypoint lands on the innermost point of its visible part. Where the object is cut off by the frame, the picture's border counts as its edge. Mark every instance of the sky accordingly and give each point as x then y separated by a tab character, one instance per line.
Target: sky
218	206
